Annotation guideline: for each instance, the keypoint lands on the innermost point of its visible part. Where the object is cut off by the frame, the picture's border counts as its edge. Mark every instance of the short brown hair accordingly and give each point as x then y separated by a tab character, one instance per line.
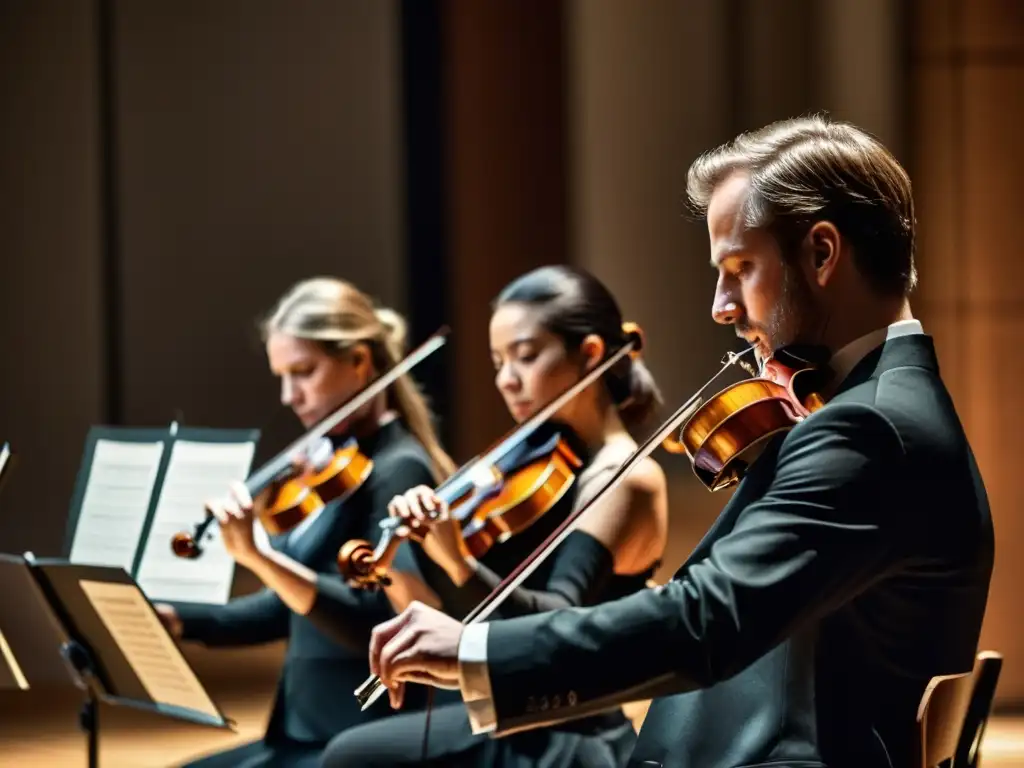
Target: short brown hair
811	169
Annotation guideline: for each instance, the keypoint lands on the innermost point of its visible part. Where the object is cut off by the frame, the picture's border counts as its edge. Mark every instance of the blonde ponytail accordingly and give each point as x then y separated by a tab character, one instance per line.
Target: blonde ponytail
337	314
407	398
395	331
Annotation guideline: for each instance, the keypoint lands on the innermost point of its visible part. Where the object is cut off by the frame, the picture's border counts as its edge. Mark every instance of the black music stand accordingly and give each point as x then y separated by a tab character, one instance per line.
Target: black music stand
55	632
83	672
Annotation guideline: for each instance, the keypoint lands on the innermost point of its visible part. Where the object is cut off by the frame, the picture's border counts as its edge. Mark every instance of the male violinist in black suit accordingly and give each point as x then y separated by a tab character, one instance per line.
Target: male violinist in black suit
853	561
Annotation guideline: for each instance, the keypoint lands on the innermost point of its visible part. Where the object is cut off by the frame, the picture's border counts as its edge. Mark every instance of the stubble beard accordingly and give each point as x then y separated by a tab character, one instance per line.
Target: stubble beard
797	318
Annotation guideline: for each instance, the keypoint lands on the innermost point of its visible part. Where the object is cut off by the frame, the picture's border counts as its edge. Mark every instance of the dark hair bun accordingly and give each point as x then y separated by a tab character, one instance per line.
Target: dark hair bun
634	391
573	305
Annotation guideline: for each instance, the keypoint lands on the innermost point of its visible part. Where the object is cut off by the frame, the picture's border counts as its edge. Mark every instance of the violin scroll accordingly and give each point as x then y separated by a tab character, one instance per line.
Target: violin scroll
188	545
359	565
184	545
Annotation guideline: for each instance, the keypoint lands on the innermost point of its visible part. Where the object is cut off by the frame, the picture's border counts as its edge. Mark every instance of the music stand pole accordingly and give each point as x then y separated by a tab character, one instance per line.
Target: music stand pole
81	665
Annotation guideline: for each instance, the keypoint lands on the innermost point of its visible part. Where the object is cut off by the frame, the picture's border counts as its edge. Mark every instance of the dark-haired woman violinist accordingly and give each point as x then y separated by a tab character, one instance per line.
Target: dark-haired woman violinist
548	328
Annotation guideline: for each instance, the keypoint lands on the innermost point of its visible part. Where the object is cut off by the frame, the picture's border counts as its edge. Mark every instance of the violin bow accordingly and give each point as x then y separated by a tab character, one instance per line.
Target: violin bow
372	689
5	461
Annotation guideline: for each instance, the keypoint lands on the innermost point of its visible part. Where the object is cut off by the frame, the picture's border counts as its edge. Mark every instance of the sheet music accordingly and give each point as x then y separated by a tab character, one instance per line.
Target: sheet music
114	506
196	473
149	650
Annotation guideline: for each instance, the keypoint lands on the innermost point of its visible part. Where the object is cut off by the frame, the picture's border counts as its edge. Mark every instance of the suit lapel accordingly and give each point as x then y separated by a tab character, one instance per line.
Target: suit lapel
911	351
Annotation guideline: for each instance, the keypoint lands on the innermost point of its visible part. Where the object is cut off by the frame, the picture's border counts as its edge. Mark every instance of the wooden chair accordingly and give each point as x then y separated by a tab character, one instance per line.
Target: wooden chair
987	667
940	718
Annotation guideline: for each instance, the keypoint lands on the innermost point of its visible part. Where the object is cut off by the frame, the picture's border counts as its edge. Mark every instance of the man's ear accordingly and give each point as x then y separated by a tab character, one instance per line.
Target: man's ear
592	348
824	245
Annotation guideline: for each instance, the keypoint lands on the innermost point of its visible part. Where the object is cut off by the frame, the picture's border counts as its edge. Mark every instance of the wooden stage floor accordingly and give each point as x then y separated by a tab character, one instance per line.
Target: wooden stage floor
43	735
38	729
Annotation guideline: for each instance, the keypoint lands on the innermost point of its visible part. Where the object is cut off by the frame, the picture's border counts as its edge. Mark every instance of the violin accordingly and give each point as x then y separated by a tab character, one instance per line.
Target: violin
727	433
499	494
491	501
325	476
719	433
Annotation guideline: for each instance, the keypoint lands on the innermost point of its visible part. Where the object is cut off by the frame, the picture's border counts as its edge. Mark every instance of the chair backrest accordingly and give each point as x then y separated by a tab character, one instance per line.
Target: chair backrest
940	717
987	667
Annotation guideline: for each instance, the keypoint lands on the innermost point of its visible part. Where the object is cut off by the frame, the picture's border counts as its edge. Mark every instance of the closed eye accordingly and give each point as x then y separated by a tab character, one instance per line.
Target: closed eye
302	372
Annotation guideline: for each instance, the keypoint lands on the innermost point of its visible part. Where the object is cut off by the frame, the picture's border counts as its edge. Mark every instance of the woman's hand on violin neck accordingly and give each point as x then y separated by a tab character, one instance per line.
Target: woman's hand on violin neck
420	508
420	645
429	522
235	515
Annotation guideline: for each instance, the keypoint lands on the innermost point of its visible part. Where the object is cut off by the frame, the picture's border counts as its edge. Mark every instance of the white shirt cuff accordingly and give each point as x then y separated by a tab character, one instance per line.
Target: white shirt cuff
475	680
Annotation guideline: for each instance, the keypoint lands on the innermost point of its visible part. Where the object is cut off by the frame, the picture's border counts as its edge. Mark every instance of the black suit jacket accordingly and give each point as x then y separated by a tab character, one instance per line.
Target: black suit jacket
326	655
850	566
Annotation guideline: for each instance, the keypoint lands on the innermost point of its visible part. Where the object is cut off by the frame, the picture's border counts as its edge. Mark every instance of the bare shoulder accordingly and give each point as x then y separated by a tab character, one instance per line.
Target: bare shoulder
647	503
635	510
646	480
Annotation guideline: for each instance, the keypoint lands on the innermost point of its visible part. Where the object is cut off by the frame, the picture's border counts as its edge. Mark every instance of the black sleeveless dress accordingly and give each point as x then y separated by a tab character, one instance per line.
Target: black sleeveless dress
579	572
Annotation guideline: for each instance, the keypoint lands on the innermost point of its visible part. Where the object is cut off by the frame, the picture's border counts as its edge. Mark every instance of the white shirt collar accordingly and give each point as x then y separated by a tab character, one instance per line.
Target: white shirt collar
846	359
